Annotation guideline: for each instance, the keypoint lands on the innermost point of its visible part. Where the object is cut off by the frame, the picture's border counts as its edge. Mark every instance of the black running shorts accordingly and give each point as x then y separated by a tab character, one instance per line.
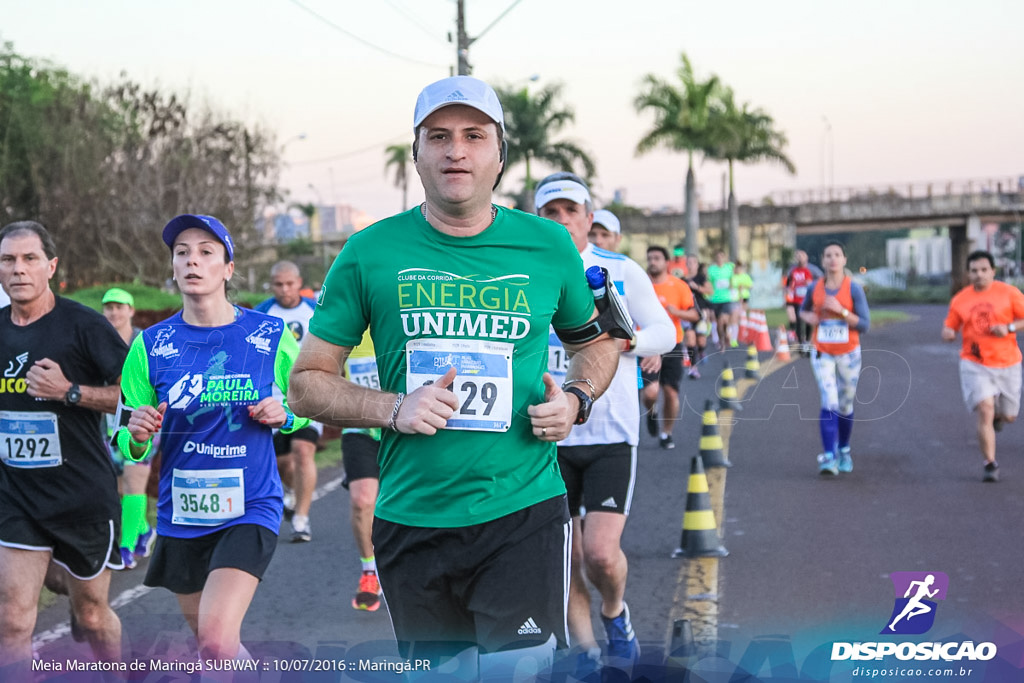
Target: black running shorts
85	549
672	367
181	565
599	478
283	442
500	585
359	456
671	373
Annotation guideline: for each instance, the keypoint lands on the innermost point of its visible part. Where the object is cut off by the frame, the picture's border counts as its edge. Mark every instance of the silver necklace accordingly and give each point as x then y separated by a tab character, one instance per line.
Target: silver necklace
494	212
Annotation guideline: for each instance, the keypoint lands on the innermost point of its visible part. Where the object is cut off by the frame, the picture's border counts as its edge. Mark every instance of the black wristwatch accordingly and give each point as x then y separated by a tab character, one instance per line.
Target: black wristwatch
586	403
73	396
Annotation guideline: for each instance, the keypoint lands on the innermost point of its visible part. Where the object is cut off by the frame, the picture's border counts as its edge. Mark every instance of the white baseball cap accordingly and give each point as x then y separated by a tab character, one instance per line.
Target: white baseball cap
561	189
466	90
607	219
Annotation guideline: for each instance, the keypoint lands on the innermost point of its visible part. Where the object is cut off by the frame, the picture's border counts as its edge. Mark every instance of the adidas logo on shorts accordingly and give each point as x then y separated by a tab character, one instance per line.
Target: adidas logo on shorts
529	627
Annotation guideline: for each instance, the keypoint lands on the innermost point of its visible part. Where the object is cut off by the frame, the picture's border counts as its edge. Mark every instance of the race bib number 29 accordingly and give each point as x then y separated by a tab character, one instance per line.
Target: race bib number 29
483	379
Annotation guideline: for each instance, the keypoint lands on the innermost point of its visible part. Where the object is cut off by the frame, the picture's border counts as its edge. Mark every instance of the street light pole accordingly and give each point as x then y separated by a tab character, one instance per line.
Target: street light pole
828	146
463	41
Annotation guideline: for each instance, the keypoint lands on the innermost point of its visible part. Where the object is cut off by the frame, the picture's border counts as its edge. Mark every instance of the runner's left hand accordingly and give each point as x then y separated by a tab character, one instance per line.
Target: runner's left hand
553	419
269	411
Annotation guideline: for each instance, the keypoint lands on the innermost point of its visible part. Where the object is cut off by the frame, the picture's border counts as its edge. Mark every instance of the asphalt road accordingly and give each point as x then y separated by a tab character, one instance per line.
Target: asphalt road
809	557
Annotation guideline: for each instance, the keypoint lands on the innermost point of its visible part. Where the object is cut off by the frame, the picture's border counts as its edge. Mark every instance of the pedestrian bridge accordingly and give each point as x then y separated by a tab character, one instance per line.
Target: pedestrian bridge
956	205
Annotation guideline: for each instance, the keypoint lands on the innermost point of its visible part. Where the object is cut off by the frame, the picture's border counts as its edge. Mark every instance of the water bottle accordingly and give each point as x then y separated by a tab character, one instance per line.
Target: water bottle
599	286
607	300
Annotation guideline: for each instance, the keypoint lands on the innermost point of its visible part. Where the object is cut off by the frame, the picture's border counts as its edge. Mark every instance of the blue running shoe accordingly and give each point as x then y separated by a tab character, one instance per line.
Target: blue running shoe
588	666
144	546
845	460
621	638
827	464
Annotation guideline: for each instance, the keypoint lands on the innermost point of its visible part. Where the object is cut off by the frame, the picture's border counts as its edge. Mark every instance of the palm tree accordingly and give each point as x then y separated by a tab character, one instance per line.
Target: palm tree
308	210
681	114
397	156
748	136
531	121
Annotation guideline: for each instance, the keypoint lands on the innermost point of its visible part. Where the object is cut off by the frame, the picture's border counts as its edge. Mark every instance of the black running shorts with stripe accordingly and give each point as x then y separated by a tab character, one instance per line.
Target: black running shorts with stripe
499	585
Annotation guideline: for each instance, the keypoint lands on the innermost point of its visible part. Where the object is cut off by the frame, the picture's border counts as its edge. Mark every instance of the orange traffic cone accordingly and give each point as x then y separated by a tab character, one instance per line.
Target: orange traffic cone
700	533
782	350
746	333
763	340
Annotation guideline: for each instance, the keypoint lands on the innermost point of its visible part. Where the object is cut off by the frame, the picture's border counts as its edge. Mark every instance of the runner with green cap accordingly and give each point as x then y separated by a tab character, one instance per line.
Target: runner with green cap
137	537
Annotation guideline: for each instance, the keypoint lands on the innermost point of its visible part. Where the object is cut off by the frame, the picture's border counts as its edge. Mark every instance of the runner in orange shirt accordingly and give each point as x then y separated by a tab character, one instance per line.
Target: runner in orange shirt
988	314
676	298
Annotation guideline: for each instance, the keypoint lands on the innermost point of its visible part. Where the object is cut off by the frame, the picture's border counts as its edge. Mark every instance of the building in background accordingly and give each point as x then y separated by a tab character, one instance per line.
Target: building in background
329	222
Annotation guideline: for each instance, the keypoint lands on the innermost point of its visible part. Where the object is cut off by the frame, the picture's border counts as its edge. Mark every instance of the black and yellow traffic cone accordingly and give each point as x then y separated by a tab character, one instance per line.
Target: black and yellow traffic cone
728	399
711	446
700	533
753	369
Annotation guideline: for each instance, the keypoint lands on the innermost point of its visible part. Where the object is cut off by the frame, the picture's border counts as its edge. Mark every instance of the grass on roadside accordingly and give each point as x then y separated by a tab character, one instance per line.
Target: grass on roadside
330	455
879	317
150	298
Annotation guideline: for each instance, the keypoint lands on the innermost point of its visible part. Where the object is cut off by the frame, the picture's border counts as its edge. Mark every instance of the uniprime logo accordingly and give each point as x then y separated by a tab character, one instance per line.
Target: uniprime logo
915	604
215	451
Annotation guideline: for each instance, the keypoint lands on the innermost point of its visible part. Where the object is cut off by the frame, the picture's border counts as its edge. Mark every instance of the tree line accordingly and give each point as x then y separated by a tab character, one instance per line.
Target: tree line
104	167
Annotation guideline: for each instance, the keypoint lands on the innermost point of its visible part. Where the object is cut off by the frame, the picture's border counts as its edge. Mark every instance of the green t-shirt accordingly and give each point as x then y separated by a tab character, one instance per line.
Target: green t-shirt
482	304
742	283
720	277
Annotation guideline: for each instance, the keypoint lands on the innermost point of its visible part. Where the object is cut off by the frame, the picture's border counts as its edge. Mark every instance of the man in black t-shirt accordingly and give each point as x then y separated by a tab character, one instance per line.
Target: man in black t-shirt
59	364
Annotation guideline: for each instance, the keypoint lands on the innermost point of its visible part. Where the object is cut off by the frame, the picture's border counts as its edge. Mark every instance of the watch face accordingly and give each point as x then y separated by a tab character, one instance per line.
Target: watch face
74	395
586	403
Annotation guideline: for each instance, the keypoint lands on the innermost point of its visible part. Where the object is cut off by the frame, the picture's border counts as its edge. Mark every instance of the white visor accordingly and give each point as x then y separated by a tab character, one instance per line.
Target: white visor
561	189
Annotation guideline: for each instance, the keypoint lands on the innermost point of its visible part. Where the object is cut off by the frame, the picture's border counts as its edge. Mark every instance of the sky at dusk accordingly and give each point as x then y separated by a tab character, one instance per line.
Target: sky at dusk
869	94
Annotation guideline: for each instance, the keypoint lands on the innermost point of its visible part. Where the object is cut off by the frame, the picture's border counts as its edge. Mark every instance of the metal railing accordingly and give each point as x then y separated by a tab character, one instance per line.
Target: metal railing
900	190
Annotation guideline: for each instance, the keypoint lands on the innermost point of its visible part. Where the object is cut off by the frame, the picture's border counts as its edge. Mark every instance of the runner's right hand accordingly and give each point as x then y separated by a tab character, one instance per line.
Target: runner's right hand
427	409
146	421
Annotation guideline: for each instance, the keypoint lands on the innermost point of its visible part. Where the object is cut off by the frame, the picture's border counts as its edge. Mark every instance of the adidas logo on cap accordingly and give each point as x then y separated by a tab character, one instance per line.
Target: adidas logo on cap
529	627
456	96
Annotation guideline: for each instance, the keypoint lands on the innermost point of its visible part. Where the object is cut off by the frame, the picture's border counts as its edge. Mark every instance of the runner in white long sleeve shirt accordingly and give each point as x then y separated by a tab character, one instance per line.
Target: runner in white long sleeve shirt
598	459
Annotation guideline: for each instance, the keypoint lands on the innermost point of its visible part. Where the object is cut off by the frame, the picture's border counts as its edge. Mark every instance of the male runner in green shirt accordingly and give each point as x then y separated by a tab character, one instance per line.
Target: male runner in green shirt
471	531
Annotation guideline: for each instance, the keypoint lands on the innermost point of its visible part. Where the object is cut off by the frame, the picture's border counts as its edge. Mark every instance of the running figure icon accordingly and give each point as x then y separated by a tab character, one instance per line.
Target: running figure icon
914	606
